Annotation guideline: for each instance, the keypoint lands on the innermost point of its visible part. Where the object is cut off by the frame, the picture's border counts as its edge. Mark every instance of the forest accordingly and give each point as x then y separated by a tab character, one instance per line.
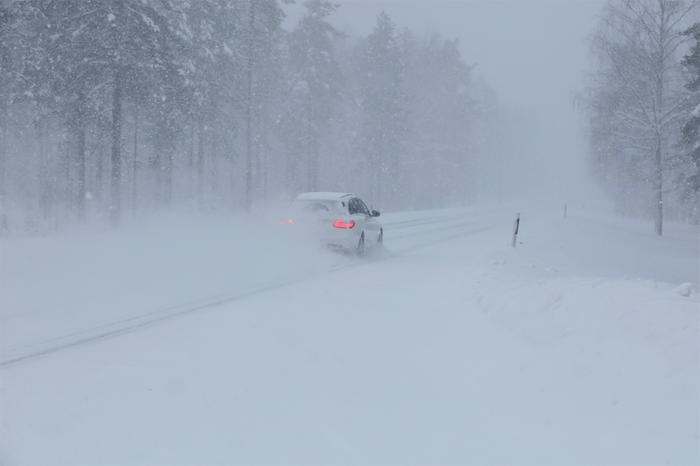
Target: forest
112	109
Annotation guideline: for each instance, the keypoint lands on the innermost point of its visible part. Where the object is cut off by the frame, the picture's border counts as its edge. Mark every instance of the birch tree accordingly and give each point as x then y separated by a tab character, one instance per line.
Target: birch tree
637	86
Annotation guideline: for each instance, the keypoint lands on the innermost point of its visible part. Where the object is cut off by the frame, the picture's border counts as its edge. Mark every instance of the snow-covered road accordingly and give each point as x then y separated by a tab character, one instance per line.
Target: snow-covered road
68	319
450	347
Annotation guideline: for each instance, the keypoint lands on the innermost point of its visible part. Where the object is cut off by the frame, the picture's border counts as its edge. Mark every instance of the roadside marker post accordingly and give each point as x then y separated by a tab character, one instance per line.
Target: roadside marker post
516	228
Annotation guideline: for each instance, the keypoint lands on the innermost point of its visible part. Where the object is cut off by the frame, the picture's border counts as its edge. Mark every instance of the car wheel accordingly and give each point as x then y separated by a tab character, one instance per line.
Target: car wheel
361	245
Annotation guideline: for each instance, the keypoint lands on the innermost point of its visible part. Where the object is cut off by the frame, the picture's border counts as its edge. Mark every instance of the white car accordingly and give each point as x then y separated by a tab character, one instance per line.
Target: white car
339	220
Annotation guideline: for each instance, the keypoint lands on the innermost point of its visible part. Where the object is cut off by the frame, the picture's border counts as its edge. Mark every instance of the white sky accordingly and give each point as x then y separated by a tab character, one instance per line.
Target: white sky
534	53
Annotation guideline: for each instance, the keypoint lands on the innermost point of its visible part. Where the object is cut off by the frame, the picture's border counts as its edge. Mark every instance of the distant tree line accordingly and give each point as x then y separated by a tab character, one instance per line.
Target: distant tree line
115	107
644	108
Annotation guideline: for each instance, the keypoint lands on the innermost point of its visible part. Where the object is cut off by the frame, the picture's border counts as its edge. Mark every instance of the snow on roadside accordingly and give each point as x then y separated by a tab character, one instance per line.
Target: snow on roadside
57	286
569	349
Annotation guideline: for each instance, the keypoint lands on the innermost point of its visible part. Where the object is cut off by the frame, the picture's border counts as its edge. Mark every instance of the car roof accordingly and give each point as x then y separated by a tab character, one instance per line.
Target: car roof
323	196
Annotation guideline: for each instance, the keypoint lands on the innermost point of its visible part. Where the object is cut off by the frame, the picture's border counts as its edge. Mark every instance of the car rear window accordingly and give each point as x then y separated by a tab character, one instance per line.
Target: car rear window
317	207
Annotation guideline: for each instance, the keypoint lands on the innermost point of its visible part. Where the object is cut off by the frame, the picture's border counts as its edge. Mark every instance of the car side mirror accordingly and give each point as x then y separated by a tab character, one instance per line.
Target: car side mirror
376	213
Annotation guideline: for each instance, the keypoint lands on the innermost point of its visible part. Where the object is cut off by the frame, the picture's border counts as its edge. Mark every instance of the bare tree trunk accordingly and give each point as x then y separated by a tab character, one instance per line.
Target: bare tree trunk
135	162
379	191
116	174
200	165
257	170
311	149
164	164
169	170
98	187
100	169
4	221
191	161
292	167
658	156
3	135
313	162
658	192
307	144
80	153
66	193
44	181
249	109
214	160
265	169
156	163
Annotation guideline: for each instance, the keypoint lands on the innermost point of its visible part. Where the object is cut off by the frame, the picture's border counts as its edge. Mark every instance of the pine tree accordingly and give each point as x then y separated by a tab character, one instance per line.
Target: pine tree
384	106
81	46
261	35
316	84
439	82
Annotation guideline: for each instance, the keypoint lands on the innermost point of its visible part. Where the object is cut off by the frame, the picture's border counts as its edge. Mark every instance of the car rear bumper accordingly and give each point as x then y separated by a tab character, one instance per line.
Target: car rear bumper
341	240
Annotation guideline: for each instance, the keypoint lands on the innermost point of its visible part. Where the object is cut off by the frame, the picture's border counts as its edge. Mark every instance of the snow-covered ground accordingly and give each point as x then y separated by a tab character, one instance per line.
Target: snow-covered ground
231	343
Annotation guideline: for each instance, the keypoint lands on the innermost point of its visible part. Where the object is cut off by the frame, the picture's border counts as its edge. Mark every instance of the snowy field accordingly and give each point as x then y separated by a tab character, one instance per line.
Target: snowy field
231	342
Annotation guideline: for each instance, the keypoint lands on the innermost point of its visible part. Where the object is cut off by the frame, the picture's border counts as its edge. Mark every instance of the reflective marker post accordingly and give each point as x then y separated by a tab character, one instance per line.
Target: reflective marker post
516	228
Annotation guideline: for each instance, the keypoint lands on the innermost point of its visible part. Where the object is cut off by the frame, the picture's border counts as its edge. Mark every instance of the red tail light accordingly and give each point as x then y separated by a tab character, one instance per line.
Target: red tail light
344	224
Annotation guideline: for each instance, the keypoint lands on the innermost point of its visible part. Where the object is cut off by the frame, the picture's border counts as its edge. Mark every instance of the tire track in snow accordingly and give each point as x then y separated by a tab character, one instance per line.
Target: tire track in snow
132	324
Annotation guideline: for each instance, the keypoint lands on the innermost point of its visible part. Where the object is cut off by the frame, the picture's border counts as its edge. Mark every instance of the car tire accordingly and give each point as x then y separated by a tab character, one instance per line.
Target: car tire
361	245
